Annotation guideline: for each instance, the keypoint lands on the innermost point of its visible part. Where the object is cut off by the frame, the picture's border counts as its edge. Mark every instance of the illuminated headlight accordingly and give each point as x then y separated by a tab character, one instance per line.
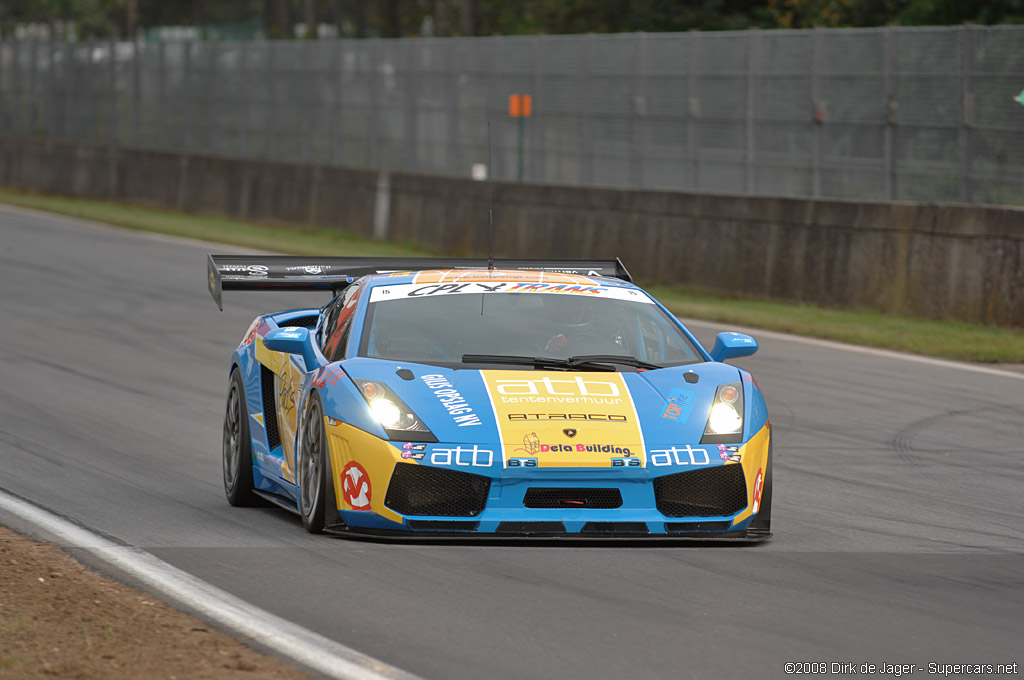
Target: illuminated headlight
386	412
725	421
395	417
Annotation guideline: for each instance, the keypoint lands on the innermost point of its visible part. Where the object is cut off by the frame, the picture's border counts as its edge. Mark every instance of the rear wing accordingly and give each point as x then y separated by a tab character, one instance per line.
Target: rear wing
301	272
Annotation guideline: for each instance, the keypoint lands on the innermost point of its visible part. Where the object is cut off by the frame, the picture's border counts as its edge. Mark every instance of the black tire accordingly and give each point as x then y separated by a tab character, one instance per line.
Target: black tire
763	521
237	447
311	465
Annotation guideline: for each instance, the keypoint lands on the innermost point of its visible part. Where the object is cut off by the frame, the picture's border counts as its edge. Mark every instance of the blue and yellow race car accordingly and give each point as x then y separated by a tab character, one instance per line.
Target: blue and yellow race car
474	398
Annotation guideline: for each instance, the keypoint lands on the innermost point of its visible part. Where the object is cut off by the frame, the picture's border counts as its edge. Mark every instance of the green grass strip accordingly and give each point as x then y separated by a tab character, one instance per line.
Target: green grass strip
949	339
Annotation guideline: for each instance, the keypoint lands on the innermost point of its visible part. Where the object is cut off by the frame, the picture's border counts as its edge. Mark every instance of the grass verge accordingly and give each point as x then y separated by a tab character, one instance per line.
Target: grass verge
952	340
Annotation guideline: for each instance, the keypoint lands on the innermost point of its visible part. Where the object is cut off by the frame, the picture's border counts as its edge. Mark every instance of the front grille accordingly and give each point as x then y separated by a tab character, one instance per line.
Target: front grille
685	527
441	525
269	407
531	528
707	492
421	490
300	322
615	528
572	498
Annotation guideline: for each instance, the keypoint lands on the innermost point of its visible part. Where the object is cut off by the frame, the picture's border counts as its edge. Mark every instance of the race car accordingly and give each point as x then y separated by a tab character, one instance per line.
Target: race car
447	398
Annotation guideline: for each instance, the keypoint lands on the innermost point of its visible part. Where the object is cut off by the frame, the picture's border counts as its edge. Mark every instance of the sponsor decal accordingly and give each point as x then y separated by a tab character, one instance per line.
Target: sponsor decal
611	431
250	334
463	287
414	451
355	484
602	417
463	456
456	405
530	275
729	453
328	375
235	271
758	484
679	404
522	462
679	455
574	390
625	462
532	446
310	268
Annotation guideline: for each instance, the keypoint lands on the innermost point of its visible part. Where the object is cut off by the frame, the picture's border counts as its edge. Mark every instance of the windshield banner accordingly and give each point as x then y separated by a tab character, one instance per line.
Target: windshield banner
423	290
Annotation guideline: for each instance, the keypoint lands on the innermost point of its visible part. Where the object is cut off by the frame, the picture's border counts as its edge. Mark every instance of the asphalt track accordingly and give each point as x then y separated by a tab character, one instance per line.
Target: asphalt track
898	518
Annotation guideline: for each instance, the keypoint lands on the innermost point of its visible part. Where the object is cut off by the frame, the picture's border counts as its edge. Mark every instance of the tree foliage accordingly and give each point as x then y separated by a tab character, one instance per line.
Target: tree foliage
398	18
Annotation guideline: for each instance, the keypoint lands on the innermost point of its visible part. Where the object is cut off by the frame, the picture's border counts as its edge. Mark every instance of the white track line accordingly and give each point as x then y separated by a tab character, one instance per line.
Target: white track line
831	344
305	647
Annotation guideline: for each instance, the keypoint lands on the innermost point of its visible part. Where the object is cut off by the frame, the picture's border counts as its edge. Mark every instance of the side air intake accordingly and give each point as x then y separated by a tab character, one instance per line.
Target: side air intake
422	490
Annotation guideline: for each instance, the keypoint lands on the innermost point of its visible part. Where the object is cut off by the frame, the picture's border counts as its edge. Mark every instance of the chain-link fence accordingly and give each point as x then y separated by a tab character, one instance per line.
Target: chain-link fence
924	114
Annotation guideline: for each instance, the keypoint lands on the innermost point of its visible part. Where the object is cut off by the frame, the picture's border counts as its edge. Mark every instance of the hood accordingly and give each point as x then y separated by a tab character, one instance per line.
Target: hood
556	418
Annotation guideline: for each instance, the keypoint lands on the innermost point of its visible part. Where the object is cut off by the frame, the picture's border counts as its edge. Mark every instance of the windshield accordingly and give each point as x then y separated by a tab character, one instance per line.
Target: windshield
444	328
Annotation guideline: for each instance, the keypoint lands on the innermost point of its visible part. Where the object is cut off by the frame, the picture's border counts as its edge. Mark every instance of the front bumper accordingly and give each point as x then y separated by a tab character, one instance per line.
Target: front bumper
404	497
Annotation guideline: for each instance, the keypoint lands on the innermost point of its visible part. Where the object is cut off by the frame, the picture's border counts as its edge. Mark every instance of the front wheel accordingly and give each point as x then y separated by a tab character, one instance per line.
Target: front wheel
237	447
312	463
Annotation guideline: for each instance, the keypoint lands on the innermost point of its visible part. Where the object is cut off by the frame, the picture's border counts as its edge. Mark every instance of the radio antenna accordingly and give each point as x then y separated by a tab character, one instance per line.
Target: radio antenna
490	204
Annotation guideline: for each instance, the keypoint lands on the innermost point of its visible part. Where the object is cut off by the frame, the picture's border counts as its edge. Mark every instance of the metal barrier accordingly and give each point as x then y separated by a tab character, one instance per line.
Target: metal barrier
922	114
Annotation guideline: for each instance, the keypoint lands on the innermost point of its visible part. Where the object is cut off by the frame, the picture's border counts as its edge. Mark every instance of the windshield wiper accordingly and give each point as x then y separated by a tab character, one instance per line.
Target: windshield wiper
623	359
598	362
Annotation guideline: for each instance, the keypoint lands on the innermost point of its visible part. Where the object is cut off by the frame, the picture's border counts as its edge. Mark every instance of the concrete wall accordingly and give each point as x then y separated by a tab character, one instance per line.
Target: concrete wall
939	261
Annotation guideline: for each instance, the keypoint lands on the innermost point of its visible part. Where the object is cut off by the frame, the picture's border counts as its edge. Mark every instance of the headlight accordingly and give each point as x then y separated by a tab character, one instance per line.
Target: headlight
386	412
725	421
395	417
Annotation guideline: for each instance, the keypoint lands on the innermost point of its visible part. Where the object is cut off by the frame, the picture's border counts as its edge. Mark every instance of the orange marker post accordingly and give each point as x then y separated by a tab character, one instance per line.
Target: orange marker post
520	106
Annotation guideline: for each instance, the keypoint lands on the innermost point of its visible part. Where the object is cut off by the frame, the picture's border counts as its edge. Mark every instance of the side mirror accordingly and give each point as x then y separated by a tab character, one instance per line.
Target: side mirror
732	346
293	341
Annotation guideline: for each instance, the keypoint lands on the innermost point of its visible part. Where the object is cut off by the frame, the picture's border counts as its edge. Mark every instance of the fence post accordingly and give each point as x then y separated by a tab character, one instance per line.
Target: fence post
33	123
14	103
306	136
964	149
136	92
587	157
692	109
51	89
816	104
271	131
112	113
453	161
92	134
410	128
64	85
889	134
337	73
537	128
374	128
210	138
637	117
186	98
244	115
753	39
